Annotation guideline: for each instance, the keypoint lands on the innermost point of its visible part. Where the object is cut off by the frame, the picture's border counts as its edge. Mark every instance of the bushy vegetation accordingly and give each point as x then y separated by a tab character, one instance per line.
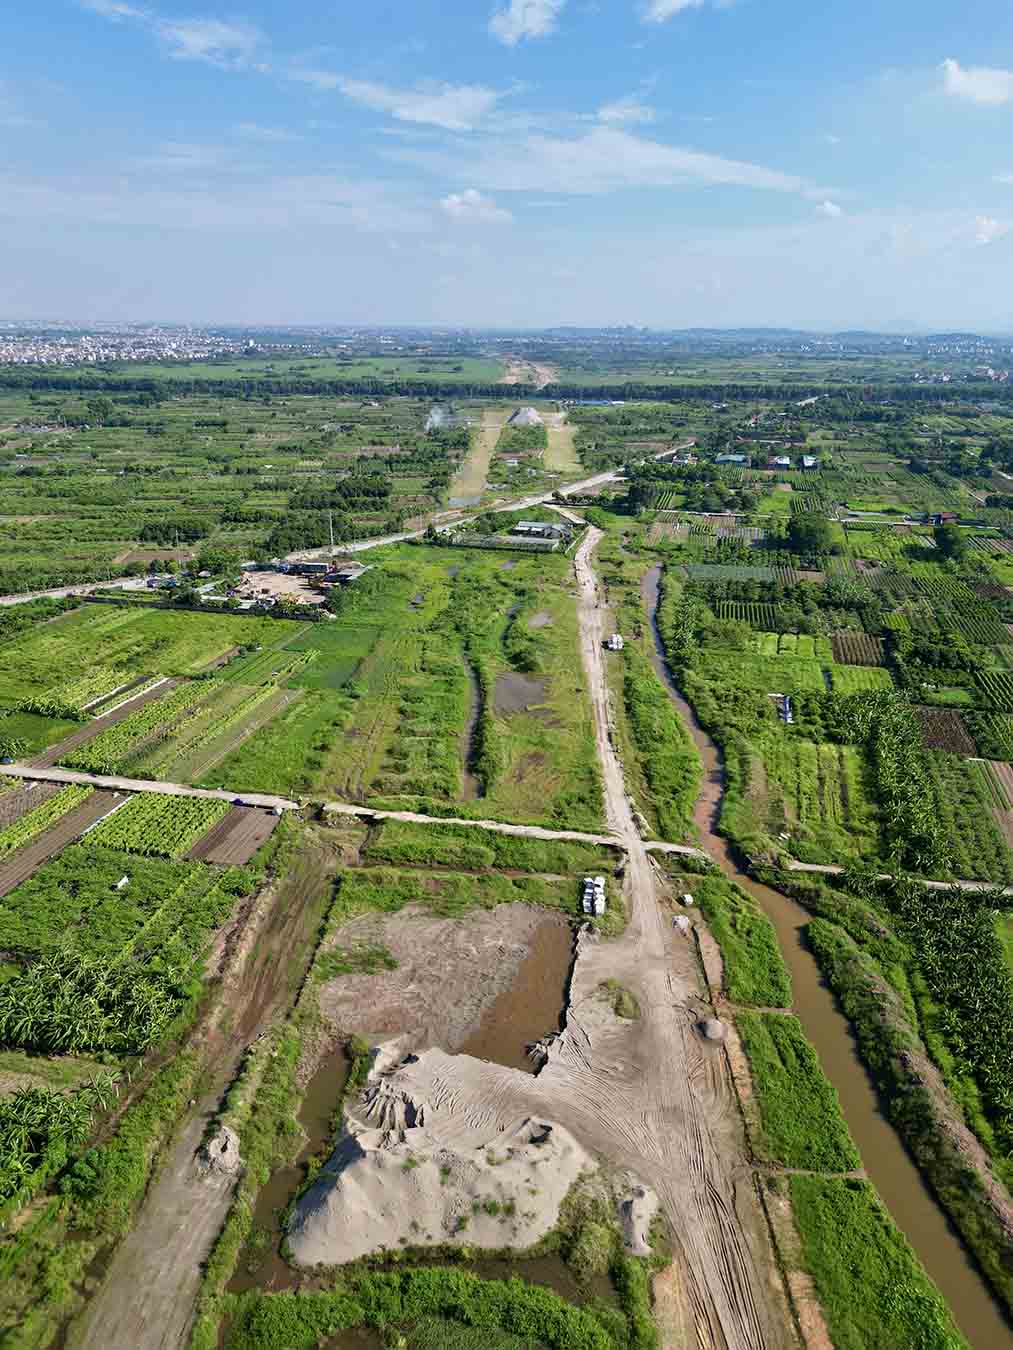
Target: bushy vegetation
671	765
871	1287
463	846
800	1115
754	970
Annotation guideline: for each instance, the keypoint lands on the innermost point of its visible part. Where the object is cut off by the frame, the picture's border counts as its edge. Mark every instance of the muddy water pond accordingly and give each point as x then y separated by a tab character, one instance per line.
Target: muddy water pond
316	1116
890	1168
516	693
533	1006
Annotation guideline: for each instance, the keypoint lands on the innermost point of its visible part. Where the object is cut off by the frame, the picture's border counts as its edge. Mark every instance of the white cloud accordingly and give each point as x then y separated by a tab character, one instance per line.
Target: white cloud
181	157
659	11
453	107
1002	178
606	159
253	131
987	229
230	45
319	79
978	84
525	19
113	9
830	209
625	111
472	207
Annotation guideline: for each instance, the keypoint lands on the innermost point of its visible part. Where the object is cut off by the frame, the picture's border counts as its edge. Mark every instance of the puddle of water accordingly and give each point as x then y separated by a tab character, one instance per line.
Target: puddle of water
515	693
323	1093
533	1006
889	1167
540	620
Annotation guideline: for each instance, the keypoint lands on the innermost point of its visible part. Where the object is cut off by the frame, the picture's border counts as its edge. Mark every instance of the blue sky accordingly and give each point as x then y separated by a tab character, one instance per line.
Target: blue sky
505	162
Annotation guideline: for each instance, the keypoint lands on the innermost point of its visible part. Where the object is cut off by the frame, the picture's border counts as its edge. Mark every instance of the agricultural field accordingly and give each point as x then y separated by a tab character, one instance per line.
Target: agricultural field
158	827
83	655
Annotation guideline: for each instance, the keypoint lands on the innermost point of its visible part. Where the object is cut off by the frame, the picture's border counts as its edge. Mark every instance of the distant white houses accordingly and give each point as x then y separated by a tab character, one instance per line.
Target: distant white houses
810	462
731	459
781	461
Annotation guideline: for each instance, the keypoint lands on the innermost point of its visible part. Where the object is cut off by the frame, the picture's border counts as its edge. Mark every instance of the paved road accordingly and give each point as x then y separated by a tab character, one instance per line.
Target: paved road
144	785
85	588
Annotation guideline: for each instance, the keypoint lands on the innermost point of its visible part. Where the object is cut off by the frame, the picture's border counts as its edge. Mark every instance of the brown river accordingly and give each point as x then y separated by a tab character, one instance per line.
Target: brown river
895	1176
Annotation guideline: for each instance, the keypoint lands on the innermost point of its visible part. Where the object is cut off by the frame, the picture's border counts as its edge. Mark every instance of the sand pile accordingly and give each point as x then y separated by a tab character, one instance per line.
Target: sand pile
413	1172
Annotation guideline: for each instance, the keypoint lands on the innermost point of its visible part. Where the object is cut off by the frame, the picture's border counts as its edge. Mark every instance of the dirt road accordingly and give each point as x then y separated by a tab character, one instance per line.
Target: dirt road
469	481
521	371
683	1110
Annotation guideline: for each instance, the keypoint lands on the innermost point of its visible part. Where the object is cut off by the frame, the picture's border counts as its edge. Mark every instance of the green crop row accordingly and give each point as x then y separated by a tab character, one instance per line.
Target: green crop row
70	699
34	822
110	747
159	826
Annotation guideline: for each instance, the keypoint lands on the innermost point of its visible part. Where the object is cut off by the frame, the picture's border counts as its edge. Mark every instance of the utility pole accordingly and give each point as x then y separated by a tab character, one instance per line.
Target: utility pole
330	527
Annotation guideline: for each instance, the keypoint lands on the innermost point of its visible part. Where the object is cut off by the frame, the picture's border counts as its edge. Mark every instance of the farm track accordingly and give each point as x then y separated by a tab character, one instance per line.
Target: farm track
235	838
122	784
22	864
91	729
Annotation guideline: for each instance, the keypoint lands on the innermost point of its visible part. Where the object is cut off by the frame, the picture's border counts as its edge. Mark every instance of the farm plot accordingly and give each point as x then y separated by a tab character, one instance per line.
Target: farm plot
17	797
159	827
662	531
944	730
212	732
769	674
87	733
35	821
25	861
73	698
79	893
757	615
858	679
992	732
800	645
127	642
998	778
963	805
852	648
236	837
828	810
997	686
119	742
728	572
